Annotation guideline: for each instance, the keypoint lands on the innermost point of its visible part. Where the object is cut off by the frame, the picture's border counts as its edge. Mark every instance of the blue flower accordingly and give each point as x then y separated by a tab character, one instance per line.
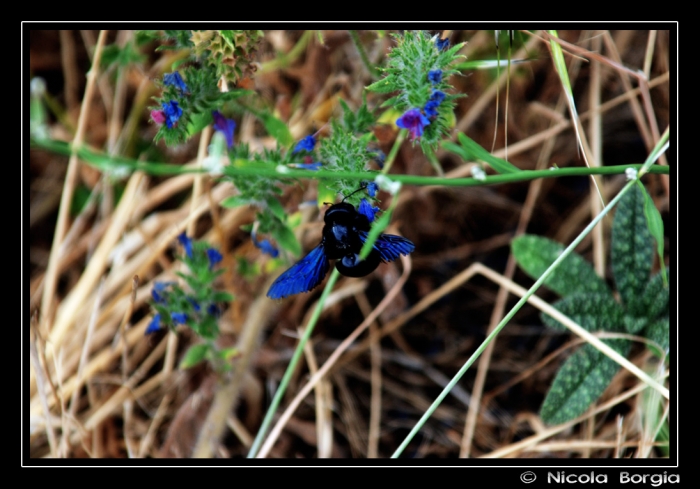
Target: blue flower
266	247
435	76
214	257
224	125
437	96
186	243
367	210
179	317
442	43
414	121
372	189
315	166
172	113
379	157
306	144
431	107
154	325
174	79
194	303
158	288
213	310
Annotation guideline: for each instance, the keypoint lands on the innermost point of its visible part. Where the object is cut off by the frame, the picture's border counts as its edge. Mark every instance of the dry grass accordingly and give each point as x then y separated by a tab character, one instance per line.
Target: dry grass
100	388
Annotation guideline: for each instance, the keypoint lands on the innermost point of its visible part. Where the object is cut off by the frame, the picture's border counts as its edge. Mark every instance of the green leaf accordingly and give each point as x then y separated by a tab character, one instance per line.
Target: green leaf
274	205
655	223
579	383
194	355
472	151
632	250
535	254
656	296
658	331
634	324
236	201
286	239
277	129
198	122
222	297
592	311
382	86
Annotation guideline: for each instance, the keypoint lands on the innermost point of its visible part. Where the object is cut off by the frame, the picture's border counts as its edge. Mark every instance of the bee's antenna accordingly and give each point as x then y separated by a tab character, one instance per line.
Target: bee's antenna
363	185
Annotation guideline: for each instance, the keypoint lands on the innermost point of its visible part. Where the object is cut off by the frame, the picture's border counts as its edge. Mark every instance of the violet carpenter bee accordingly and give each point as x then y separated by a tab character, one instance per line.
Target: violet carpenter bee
344	233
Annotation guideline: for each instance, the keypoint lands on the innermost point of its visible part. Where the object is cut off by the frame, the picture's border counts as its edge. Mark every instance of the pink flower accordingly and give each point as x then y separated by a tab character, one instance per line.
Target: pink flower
158	117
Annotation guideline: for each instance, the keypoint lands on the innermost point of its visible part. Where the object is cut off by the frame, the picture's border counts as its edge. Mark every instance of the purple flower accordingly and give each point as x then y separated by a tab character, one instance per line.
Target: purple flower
414	121
214	257
174	79
154	325
186	243
306	144
435	76
224	125
367	210
172	113
179	317
158	116
442	43
372	189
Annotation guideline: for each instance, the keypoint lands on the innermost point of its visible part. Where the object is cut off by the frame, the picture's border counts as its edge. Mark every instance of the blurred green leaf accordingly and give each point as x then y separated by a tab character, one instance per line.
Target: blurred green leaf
194	355
535	254
470	150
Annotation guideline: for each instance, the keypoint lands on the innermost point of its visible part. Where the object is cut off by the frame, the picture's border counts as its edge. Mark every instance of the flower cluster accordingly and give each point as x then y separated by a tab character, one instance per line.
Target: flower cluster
306	145
170	111
183	103
417	70
196	307
415	120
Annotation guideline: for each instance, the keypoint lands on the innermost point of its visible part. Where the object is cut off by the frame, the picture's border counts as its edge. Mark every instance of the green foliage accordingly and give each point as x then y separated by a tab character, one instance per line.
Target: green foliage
121	56
359	122
343	150
587	300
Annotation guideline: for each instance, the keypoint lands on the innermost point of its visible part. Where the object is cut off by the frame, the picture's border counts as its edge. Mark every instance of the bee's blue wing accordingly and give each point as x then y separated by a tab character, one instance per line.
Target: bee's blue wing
303	276
390	246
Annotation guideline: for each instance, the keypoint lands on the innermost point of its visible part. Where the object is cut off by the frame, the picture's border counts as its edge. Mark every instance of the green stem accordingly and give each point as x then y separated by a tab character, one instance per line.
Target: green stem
104	162
394	151
363	54
285	60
